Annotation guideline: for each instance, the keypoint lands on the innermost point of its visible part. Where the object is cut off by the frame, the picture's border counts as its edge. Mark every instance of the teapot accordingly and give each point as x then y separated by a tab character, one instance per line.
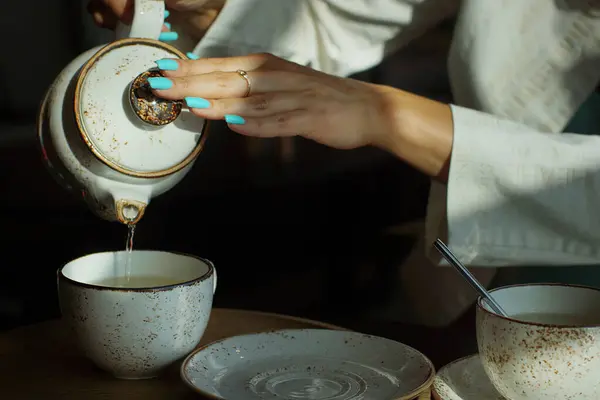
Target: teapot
105	136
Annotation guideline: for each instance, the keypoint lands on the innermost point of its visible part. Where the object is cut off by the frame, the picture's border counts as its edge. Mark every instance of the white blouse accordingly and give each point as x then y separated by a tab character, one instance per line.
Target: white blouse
516	194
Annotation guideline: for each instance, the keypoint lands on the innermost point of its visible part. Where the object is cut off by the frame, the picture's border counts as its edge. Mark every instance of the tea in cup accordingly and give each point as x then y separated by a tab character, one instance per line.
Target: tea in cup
549	345
136	313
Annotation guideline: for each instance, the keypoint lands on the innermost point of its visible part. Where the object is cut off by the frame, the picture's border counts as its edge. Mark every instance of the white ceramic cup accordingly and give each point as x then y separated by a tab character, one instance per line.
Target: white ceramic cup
137	332
548	347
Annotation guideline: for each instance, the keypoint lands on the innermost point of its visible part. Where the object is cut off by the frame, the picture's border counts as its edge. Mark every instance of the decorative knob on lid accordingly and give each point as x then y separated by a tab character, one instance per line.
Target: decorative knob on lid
149	108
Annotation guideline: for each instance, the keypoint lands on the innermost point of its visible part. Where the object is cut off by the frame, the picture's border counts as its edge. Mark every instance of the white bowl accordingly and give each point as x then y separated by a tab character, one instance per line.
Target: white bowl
136	332
548	347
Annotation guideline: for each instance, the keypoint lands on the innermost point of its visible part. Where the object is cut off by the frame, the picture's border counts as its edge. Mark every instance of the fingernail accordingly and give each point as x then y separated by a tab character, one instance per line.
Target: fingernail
160	83
197	102
167	64
167	13
168	36
235	120
168	25
192	56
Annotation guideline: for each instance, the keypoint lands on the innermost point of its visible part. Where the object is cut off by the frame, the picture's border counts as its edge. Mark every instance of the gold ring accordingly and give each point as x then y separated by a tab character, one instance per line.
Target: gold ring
244	75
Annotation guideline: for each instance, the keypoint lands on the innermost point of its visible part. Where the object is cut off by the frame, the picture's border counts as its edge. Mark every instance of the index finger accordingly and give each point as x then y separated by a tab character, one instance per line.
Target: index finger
226	64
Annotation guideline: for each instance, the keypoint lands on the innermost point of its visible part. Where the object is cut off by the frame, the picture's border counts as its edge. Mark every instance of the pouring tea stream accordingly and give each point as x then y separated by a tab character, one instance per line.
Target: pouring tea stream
102	132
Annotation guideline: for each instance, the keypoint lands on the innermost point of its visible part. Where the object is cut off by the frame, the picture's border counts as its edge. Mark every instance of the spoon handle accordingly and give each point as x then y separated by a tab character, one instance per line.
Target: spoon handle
451	258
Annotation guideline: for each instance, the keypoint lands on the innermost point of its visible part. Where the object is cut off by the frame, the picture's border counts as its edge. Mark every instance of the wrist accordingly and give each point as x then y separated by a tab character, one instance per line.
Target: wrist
417	130
195	23
203	20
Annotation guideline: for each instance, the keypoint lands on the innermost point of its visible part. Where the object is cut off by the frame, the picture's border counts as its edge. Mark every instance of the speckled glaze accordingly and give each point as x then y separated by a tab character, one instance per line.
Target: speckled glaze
464	379
315	364
92	139
135	333
529	361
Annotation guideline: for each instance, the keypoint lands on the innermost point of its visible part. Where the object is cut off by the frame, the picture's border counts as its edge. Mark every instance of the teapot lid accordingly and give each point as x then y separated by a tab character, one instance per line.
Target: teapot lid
123	123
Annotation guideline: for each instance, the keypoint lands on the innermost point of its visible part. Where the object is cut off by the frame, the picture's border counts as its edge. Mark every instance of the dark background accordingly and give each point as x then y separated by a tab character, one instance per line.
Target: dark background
302	234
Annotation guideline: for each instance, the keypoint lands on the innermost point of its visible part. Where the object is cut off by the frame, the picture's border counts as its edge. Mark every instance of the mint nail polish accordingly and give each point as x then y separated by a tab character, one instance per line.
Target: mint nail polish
167	64
168	25
235	120
168	36
167	13
197	102
192	56
160	83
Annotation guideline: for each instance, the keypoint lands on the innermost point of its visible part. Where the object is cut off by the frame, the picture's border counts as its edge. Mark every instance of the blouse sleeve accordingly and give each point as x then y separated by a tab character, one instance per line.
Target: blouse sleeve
516	196
340	37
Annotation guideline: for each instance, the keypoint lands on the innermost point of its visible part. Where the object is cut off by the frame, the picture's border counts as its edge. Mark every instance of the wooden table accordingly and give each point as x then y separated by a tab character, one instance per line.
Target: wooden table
39	362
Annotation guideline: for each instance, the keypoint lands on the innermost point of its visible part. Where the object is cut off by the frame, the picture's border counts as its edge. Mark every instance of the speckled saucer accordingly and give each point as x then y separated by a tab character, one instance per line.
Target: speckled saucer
464	379
315	364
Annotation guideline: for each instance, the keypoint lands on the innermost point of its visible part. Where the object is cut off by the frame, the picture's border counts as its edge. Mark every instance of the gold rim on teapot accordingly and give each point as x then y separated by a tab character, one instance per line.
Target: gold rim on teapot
81	127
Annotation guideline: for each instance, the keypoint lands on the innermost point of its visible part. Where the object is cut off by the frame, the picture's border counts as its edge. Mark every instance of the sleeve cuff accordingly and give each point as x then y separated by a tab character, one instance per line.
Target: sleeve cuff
516	196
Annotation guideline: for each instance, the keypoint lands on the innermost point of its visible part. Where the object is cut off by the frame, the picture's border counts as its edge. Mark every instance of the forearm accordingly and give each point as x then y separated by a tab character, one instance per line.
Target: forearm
420	132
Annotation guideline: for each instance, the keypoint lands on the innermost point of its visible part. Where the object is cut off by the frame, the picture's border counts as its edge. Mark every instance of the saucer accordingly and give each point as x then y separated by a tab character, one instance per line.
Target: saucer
315	364
464	379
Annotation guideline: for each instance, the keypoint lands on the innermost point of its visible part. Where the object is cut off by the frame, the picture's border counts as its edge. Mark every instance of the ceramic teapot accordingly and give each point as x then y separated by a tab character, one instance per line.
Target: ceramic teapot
105	135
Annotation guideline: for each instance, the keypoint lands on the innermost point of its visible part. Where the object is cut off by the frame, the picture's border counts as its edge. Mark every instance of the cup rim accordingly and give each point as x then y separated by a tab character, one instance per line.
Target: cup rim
203	277
481	307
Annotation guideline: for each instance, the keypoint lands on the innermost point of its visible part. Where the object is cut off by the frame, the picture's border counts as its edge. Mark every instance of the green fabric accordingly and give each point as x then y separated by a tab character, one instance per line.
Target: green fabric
585	121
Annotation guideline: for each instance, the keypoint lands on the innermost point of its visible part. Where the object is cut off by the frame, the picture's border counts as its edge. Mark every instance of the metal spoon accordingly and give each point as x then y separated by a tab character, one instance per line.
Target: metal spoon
451	258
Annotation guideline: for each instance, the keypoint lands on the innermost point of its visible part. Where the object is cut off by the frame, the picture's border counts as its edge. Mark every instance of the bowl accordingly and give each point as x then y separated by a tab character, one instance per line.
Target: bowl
549	345
135	314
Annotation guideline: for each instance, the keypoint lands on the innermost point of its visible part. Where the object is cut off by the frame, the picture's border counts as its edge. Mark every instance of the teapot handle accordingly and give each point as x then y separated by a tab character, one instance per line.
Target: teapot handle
148	20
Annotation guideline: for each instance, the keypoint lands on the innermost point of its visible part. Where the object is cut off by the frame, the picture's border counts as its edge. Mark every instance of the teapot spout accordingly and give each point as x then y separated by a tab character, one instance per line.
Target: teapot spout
129	212
118	201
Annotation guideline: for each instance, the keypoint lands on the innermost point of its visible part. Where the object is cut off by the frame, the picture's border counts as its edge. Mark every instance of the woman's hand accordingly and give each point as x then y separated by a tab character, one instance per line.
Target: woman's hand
194	16
284	99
